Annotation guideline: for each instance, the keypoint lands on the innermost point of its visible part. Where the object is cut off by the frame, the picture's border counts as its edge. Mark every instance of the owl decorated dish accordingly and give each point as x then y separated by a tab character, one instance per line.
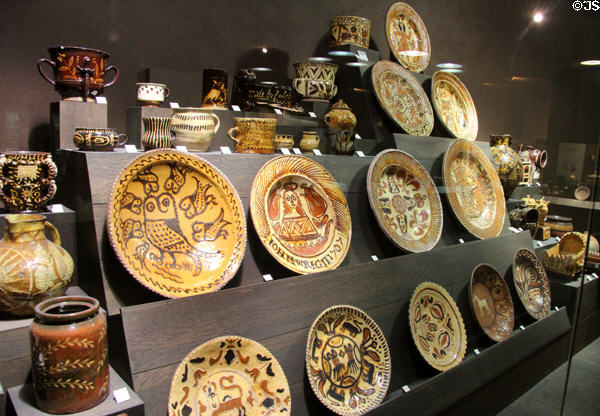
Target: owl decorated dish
531	283
176	223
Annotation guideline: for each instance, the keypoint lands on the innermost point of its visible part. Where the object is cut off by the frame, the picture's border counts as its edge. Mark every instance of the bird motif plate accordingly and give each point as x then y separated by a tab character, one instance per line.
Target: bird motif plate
454	105
437	326
347	360
300	214
408	37
176	223
402	98
491	302
405	201
229	376
531	283
474	189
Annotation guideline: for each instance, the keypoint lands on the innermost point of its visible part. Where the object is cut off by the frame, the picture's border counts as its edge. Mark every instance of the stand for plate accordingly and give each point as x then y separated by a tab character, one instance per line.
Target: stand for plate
65	116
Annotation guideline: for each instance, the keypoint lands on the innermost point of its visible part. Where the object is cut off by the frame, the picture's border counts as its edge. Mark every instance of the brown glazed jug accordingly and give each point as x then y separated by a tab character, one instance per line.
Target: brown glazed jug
69	354
32	268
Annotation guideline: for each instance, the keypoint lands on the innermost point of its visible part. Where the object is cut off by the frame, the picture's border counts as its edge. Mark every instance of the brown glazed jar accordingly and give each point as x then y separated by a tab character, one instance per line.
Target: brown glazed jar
69	354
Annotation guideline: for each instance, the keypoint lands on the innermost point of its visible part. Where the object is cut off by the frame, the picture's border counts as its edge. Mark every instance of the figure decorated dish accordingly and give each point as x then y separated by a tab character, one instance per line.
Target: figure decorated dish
454	106
491	302
229	375
531	283
300	214
474	189
402	98
405	201
347	361
437	326
408	37
176	223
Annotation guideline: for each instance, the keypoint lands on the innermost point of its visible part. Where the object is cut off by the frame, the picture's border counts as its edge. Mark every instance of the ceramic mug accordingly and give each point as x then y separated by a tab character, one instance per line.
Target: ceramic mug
194	127
318	71
312	90
253	135
310	140
98	139
157	133
349	30
150	94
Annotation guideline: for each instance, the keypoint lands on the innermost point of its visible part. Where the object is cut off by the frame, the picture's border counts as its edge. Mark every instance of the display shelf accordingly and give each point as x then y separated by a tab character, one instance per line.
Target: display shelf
564	292
66	116
2	400
22	401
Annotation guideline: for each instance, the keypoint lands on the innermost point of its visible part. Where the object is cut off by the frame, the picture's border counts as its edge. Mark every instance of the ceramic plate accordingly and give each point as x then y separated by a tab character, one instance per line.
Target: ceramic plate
402	97
176	223
347	360
474	189
437	326
531	283
408	37
454	106
491	302
405	201
300	214
229	376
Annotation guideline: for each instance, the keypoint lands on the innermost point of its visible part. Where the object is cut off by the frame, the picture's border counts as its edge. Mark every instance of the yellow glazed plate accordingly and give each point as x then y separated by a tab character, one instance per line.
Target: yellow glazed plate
176	223
405	201
454	105
408	37
300	214
347	361
437	326
531	283
229	376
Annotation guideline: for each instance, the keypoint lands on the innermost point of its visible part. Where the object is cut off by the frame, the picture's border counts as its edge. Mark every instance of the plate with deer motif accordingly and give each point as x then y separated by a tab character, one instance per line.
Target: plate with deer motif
229	375
348	361
437	326
300	214
402	98
491	302
405	201
474	189
408	37
176	223
454	105
531	283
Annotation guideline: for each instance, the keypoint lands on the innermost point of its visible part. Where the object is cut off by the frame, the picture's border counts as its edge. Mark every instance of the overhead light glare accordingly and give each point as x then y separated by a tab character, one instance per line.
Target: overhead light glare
538	17
413	53
358	64
452	70
449	65
264	50
261	69
590	62
268	83
340	53
319	59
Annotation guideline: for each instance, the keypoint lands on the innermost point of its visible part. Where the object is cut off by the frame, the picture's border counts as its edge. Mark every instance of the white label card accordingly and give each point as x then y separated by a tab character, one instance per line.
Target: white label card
374	257
181	148
362	56
121	395
539	243
522	328
405	389
101	100
236	108
56	208
278	111
174	105
556	308
317	152
296	151
476	351
513	229
589	278
520	229
130	148
460	240
313	115
225	150
285	151
357	136
360	153
267	277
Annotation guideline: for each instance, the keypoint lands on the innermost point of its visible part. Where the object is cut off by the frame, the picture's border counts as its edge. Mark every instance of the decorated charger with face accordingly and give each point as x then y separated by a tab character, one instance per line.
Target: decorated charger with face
474	189
531	283
347	360
176	223
454	105
402	97
405	201
229	375
408	37
491	302
300	214
437	326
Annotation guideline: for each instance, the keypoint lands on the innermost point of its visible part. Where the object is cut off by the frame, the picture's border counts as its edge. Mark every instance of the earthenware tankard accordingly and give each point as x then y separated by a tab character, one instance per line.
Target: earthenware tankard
253	135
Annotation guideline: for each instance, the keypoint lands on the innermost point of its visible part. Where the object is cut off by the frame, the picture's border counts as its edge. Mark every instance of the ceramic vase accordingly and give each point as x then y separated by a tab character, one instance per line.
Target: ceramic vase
310	141
194	128
507	161
157	133
32	268
340	117
243	82
344	144
27	180
69	354
214	88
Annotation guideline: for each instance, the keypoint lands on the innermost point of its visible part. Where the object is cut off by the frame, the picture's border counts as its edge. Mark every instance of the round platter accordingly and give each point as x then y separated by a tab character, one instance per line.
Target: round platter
491	302
405	201
229	376
437	326
300	214
454	106
176	223
347	361
408	37
531	283
474	189
402	98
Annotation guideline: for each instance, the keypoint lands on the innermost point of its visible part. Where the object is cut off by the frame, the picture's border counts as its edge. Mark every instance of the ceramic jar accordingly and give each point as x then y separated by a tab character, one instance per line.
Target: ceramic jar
214	88
340	117
310	141
69	354
32	268
349	30
344	144
253	135
284	141
27	180
315	81
151	94
78	72
98	139
244	80
157	133
194	128
507	161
